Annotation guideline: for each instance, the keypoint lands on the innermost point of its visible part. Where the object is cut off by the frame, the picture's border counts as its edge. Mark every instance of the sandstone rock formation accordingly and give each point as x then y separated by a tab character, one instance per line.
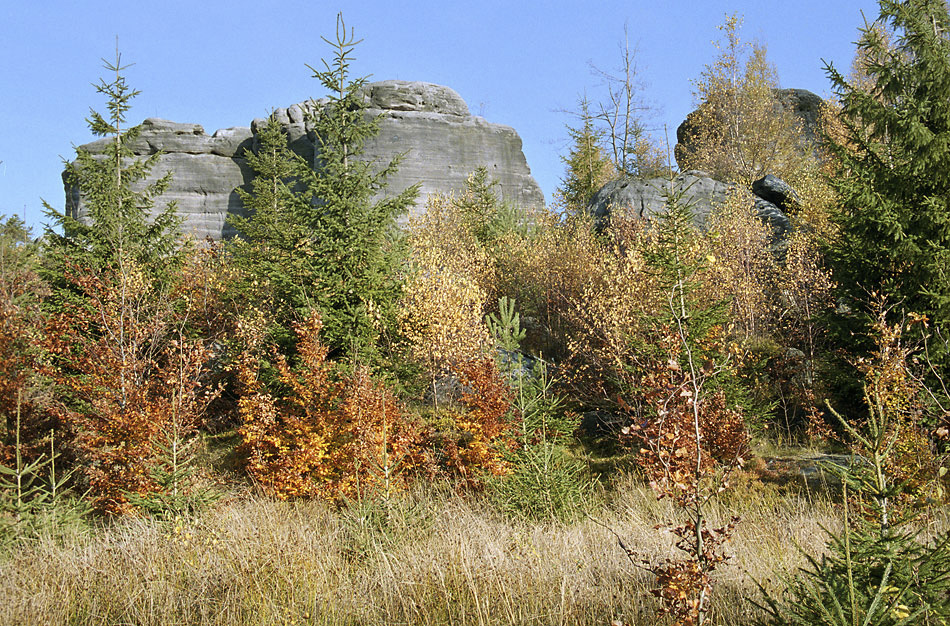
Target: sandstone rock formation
646	198
206	169
431	124
805	105
776	191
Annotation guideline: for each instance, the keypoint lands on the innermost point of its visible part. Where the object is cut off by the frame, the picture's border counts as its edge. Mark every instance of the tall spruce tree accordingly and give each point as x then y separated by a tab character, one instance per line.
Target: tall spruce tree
354	251
118	224
893	174
320	236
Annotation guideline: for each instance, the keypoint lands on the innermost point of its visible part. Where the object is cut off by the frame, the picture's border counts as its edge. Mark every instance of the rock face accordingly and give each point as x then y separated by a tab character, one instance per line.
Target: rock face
804	104
205	168
646	198
430	124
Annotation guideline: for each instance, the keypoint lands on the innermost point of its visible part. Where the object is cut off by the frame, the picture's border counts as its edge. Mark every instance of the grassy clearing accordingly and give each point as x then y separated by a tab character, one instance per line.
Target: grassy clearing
429	558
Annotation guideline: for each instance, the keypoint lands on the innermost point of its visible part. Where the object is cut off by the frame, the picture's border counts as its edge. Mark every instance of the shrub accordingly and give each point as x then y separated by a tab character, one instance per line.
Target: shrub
548	272
475	436
126	374
443	306
326	434
692	435
878	570
546	481
21	327
742	267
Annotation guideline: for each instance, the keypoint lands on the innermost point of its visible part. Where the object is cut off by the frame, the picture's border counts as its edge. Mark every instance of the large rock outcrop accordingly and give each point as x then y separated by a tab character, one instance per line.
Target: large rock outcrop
430	124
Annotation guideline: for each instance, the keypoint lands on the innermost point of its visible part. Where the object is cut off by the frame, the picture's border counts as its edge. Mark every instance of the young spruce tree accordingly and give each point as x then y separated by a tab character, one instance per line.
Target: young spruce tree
118	347
268	250
588	168
117	224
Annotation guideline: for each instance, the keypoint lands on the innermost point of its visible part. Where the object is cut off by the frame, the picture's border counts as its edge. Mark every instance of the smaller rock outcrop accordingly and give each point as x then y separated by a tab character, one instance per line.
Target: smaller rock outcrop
646	198
805	105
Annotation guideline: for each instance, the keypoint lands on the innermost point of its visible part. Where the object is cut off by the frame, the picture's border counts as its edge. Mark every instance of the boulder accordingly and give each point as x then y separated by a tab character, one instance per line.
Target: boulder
430	125
777	191
805	105
773	217
400	95
645	198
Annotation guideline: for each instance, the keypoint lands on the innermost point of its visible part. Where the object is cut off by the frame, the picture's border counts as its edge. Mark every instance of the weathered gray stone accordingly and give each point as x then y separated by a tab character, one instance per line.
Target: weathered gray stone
441	151
205	172
776	191
230	142
773	217
429	124
643	199
805	105
646	198
296	114
399	95
440	142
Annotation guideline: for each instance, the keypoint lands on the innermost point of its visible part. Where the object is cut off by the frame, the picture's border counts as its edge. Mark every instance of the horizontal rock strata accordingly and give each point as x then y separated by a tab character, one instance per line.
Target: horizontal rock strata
430	125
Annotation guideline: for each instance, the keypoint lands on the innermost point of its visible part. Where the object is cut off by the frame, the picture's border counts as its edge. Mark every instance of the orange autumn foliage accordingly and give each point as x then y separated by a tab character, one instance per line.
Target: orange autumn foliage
325	435
128	375
482	430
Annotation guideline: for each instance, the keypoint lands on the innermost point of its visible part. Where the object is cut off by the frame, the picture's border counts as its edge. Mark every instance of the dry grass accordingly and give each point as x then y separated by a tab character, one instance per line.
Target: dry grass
439	559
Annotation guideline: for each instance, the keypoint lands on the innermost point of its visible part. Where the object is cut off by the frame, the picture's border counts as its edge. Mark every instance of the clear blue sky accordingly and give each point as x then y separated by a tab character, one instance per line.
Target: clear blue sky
517	62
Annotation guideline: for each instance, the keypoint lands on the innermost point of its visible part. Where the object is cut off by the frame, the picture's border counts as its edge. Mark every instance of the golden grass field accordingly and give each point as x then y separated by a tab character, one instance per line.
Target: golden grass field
430	557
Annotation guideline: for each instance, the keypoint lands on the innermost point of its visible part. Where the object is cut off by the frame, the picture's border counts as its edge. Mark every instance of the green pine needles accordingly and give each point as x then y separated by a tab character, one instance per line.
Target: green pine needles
547	480
894	164
273	243
117	223
587	166
353	232
505	328
320	237
880	570
34	501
